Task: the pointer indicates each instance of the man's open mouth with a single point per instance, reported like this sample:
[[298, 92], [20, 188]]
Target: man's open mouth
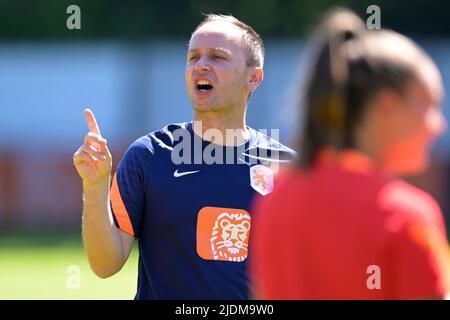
[[204, 86]]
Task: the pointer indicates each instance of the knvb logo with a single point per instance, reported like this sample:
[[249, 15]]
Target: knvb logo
[[261, 178]]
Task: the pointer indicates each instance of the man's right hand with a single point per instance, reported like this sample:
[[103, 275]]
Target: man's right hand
[[107, 247], [93, 160]]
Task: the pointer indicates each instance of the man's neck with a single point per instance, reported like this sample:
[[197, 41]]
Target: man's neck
[[231, 127]]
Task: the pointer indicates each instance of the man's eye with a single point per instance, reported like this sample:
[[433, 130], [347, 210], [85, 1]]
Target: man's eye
[[192, 58], [218, 57]]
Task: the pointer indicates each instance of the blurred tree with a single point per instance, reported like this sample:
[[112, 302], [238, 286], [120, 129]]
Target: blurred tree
[[137, 19]]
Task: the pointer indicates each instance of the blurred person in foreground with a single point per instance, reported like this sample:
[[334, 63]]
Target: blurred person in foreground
[[190, 217], [342, 225]]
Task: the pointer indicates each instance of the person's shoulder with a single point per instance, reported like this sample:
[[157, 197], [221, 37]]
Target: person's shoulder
[[263, 141], [289, 176], [287, 183], [406, 203], [164, 137], [167, 135], [400, 194], [283, 203], [141, 145]]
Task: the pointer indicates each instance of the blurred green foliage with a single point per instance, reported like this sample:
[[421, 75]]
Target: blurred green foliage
[[138, 19], [38, 266]]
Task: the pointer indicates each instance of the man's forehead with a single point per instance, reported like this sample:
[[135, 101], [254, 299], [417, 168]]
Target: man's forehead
[[222, 30]]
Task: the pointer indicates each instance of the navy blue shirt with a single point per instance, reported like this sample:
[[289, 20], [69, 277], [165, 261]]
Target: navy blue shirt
[[191, 217]]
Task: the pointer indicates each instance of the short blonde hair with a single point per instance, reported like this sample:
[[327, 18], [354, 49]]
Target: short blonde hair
[[251, 40]]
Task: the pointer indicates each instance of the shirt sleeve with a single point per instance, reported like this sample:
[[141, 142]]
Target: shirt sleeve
[[127, 193], [419, 257]]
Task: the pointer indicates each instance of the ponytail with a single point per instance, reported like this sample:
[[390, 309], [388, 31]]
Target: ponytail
[[326, 93], [351, 66]]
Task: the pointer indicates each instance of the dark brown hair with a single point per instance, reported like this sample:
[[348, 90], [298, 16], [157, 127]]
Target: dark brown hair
[[351, 65]]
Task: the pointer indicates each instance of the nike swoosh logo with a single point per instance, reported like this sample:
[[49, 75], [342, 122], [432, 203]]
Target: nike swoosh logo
[[177, 174]]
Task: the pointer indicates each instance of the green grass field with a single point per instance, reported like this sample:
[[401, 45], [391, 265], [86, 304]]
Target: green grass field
[[39, 267]]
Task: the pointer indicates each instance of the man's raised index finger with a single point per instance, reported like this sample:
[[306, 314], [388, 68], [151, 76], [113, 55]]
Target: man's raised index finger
[[92, 123]]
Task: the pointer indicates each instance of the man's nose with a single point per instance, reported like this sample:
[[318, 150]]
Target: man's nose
[[202, 65], [234, 234]]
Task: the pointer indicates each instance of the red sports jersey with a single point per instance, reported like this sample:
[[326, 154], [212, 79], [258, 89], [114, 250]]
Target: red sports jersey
[[343, 230]]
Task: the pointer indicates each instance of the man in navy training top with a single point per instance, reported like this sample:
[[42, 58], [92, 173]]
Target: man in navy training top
[[184, 192]]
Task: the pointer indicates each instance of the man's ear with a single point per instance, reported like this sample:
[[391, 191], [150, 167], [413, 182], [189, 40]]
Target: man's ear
[[256, 77]]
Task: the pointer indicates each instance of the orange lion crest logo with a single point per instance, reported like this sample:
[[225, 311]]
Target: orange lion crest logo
[[229, 240], [261, 179]]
